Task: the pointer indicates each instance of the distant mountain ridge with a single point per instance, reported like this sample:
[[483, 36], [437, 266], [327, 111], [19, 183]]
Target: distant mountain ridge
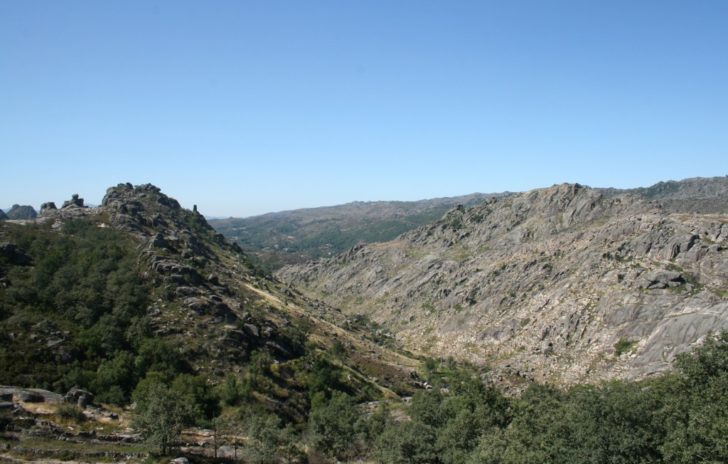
[[302, 235], [693, 195]]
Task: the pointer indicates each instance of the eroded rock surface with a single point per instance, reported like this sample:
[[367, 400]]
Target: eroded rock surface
[[543, 284]]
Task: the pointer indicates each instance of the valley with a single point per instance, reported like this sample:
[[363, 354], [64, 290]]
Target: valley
[[525, 327]]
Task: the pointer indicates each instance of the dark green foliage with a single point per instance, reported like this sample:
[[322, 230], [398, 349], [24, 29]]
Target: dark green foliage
[[324, 377], [407, 443], [233, 391], [198, 402], [157, 355], [333, 425], [73, 305], [681, 418], [697, 406], [115, 378], [159, 414], [201, 402], [268, 439], [457, 418], [70, 412], [623, 346], [75, 315]]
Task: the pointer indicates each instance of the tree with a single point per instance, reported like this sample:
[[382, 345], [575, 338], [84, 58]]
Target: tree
[[159, 414], [268, 440], [696, 411], [407, 443], [333, 425]]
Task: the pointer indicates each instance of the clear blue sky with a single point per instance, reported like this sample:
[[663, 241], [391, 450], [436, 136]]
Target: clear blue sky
[[246, 107]]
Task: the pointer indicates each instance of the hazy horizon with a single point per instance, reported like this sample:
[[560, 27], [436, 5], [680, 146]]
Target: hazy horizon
[[245, 108], [225, 216]]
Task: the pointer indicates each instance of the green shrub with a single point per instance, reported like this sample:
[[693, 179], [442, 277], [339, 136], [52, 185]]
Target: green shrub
[[623, 346], [70, 412]]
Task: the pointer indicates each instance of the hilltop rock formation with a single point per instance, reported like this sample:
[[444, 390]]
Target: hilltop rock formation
[[47, 207], [566, 283], [74, 202], [21, 212]]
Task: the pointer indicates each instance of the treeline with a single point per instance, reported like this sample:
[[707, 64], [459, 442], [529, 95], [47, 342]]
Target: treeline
[[681, 417]]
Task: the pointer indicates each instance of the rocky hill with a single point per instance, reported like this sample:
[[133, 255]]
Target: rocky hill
[[302, 235], [97, 297], [21, 212], [566, 283], [3, 216]]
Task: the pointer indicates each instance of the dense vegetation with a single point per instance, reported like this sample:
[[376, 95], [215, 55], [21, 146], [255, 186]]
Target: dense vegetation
[[678, 418], [74, 313]]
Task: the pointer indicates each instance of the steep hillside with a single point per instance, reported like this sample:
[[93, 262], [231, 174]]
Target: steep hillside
[[566, 283], [140, 288], [302, 235]]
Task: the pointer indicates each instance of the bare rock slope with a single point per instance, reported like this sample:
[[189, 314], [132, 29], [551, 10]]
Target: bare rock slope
[[566, 283]]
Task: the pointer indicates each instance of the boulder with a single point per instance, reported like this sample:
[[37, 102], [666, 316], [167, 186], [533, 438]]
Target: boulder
[[47, 207], [252, 330], [662, 279], [74, 202], [80, 397]]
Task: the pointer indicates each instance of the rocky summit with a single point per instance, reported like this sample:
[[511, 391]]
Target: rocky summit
[[565, 284], [21, 212]]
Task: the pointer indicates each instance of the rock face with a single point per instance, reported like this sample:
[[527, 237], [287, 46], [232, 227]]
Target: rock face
[[543, 284], [21, 212], [3, 216]]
